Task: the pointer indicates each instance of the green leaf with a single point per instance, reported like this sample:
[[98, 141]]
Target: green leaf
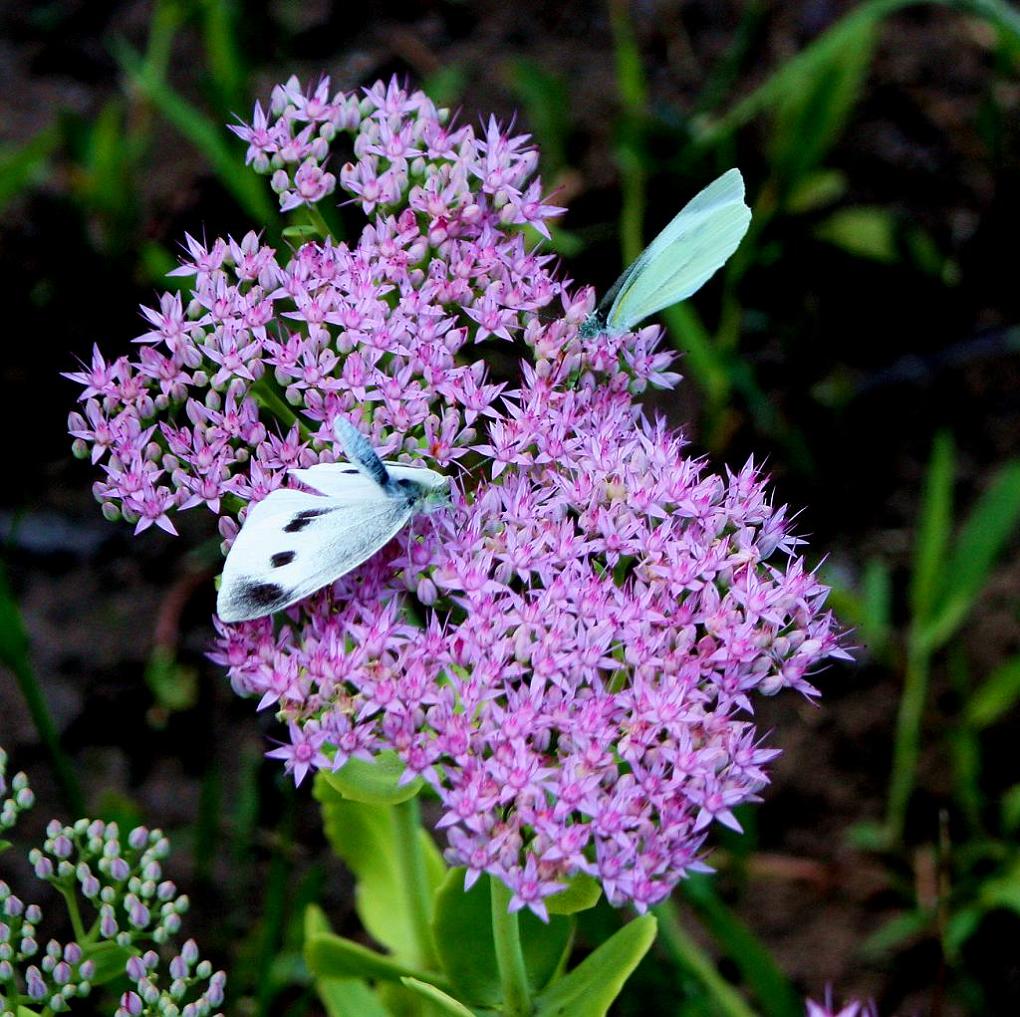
[[1002, 891], [365, 837], [589, 990], [109, 959], [446, 85], [868, 836], [582, 892], [805, 66], [701, 356], [988, 529], [463, 917], [546, 101], [330, 956], [630, 72], [815, 191], [961, 926], [349, 997], [924, 252], [342, 997], [810, 118], [896, 932], [875, 605], [174, 686], [864, 232], [315, 921], [26, 165], [446, 1004], [301, 231], [155, 262], [997, 695], [223, 56], [934, 526], [374, 783], [758, 968], [1010, 809]]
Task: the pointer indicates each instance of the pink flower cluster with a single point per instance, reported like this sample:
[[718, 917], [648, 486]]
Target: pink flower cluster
[[567, 655]]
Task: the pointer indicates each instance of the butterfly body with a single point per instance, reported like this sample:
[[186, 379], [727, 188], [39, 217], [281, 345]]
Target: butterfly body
[[679, 261], [294, 542]]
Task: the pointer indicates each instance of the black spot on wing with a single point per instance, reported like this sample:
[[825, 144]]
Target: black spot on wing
[[303, 518], [261, 595], [281, 558], [350, 472]]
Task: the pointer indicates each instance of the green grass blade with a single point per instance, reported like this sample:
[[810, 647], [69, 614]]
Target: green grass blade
[[702, 359], [15, 655], [630, 73], [810, 119], [934, 526], [210, 138], [771, 988], [630, 149], [788, 78], [276, 898], [726, 72], [907, 743], [223, 55], [692, 959], [876, 606], [26, 165], [965, 744], [996, 696], [988, 529], [546, 101]]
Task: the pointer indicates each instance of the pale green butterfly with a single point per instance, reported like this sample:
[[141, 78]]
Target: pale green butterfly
[[679, 261]]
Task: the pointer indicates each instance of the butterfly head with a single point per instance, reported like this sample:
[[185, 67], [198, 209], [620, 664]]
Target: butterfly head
[[425, 493], [592, 326]]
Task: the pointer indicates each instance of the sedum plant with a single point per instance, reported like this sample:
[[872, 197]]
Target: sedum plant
[[567, 658], [123, 915]]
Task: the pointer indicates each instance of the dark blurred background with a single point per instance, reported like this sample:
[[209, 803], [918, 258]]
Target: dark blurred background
[[865, 342]]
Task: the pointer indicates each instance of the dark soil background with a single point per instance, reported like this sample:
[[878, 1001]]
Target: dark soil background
[[915, 353]]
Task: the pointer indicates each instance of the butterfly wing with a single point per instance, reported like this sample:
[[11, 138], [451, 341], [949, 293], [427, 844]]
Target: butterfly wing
[[685, 255], [342, 480], [293, 543]]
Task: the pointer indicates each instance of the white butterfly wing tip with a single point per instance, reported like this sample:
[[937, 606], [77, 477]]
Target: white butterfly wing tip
[[227, 611]]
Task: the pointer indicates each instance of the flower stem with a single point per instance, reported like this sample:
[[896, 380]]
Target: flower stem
[[267, 396], [316, 219], [73, 912], [506, 933], [908, 738], [411, 860], [630, 152]]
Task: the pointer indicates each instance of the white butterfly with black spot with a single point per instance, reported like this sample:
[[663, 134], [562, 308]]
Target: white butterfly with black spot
[[293, 543]]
